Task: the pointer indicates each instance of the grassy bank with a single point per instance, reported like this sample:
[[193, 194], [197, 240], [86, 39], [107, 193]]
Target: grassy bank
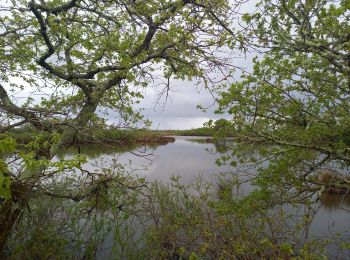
[[95, 135], [117, 136], [114, 135]]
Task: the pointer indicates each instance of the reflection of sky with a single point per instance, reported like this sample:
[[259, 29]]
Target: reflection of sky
[[190, 159], [183, 158]]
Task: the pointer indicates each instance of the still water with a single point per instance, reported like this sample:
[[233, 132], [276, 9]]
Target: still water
[[185, 157], [190, 158]]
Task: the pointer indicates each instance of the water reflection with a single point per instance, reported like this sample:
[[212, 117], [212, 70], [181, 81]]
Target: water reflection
[[187, 157], [93, 151], [190, 157], [335, 201]]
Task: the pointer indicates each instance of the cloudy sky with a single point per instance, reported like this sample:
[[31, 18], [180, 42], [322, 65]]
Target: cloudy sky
[[180, 111]]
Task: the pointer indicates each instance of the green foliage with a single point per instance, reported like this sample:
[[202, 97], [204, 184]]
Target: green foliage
[[295, 102], [83, 56], [290, 116], [7, 146], [194, 221], [197, 220], [220, 124], [74, 221], [5, 183], [202, 131]]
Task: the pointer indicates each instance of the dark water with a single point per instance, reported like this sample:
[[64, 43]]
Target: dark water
[[188, 159]]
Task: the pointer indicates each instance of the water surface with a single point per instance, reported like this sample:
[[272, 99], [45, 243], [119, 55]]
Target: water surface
[[189, 158]]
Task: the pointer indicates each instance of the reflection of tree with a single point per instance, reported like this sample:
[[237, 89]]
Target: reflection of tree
[[221, 148], [93, 151], [335, 201], [221, 145]]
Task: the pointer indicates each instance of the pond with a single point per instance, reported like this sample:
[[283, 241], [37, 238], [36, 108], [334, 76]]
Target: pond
[[185, 157], [190, 158]]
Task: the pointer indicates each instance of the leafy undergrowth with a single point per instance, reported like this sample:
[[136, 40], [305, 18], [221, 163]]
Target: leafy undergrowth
[[129, 219]]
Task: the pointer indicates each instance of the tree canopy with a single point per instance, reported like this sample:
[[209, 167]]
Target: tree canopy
[[63, 63], [79, 56], [296, 99]]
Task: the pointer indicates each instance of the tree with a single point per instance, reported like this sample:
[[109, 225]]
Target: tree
[[296, 101], [220, 124], [81, 56]]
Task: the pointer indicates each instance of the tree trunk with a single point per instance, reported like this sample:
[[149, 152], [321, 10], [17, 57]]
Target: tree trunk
[[21, 190]]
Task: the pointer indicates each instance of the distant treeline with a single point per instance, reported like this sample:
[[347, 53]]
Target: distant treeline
[[202, 131]]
